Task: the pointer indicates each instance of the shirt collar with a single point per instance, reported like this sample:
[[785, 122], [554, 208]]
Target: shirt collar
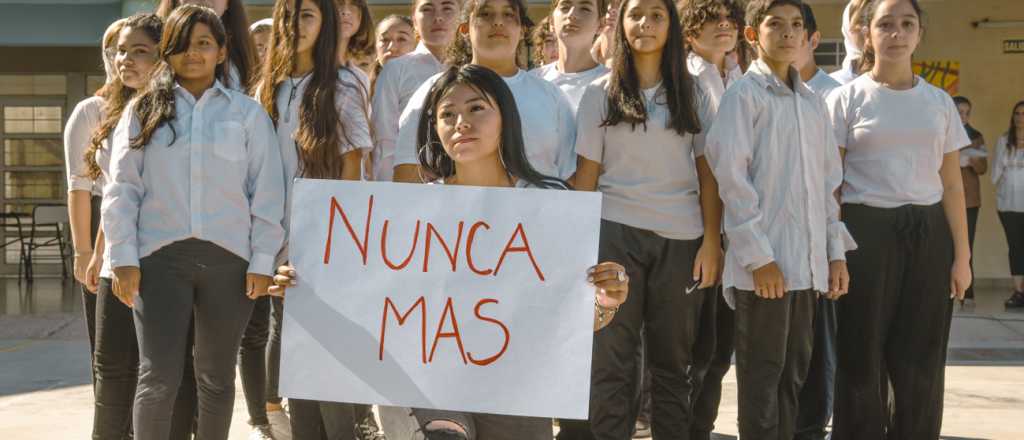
[[217, 87], [763, 76]]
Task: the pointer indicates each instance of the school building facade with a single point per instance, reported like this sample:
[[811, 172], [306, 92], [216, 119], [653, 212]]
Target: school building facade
[[50, 60]]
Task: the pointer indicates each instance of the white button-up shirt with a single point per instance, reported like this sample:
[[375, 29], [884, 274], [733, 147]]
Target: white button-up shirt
[[710, 78], [822, 84], [220, 180], [1008, 176], [549, 124], [778, 167], [84, 119], [397, 82]]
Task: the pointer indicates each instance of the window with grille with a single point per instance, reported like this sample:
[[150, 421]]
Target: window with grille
[[829, 54]]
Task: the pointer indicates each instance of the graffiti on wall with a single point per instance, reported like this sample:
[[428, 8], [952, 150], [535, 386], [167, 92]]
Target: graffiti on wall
[[942, 74]]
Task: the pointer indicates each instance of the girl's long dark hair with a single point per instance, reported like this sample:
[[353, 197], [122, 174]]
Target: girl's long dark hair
[[155, 105], [512, 151], [1011, 134], [116, 95], [321, 129], [241, 50], [625, 101]]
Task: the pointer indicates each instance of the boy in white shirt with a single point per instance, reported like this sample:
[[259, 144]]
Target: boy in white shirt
[[778, 167]]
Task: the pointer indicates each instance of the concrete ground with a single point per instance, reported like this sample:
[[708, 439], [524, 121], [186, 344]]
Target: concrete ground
[[45, 391]]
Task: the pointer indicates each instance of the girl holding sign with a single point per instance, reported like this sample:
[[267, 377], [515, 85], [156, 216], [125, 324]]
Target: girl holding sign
[[639, 142], [472, 136], [490, 35], [435, 23], [191, 161], [319, 110]]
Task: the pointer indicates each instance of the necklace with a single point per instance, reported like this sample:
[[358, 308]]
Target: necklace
[[291, 95]]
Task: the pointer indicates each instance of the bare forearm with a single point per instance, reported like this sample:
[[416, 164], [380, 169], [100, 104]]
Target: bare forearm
[[80, 213]]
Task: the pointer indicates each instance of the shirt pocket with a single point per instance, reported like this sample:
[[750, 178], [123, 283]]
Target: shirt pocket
[[229, 141]]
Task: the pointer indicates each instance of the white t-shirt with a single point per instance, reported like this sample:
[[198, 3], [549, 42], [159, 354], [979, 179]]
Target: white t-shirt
[[648, 176], [895, 141], [397, 82], [549, 126], [572, 84]]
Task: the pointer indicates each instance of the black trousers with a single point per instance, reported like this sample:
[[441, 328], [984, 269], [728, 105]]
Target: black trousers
[[894, 324], [1013, 226], [659, 271], [818, 392], [313, 420], [715, 346], [259, 358], [189, 284], [774, 340], [972, 227]]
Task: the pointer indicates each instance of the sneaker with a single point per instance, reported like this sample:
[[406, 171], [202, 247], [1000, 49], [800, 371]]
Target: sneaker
[[368, 429], [643, 429], [1016, 301], [280, 425], [261, 432]]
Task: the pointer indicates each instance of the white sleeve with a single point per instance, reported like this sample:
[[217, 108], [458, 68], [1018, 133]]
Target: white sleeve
[[406, 150], [83, 121], [123, 196]]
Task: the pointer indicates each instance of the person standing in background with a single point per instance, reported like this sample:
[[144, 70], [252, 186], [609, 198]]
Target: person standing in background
[[1008, 176], [973, 163]]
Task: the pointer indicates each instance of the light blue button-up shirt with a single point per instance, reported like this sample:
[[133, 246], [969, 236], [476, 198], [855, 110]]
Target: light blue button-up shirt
[[217, 177]]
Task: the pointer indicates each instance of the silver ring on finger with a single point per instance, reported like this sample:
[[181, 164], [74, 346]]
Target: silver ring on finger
[[622, 275]]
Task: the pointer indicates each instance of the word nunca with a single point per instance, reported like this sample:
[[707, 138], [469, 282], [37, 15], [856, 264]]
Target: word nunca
[[517, 243]]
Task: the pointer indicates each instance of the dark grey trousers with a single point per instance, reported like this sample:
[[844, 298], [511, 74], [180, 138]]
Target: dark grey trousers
[[774, 339], [186, 280]]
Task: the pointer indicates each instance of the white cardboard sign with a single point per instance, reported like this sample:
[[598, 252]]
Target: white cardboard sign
[[445, 297]]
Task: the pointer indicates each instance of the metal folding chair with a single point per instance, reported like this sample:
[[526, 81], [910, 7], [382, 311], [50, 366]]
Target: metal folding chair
[[43, 218]]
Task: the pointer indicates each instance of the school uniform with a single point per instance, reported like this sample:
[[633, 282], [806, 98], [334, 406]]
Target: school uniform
[[1008, 177], [651, 223], [818, 392], [398, 81], [778, 167], [548, 123], [174, 209], [311, 419], [572, 84], [711, 79], [715, 340], [894, 323]]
